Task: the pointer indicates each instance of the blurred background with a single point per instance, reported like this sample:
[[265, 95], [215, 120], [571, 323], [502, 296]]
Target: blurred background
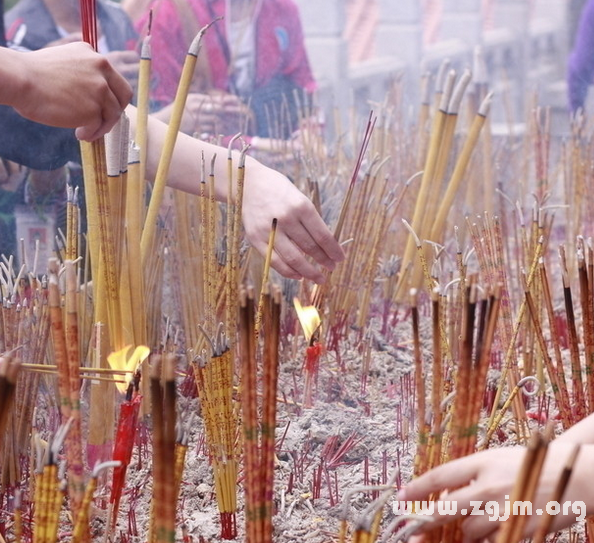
[[359, 48]]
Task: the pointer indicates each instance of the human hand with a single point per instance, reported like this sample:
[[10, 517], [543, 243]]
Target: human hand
[[69, 86], [300, 232], [488, 478]]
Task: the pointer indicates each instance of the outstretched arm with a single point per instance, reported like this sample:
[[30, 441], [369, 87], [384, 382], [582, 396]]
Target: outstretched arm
[[487, 478], [69, 86], [268, 194]]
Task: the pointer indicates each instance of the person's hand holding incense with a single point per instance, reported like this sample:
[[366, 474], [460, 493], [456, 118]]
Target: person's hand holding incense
[[481, 486], [301, 232], [69, 86]]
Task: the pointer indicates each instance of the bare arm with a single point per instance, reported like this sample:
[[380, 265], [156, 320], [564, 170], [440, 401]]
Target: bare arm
[[488, 478], [267, 194], [69, 86]]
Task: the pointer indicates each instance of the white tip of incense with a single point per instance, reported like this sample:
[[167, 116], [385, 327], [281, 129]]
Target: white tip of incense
[[243, 155], [458, 92], [413, 177], [194, 48], [529, 379], [133, 153], [103, 466], [485, 106], [413, 233], [145, 51], [447, 90], [231, 143], [113, 149], [441, 75], [479, 67]]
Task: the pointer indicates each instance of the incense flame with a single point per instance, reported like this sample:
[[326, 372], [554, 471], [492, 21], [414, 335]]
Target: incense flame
[[308, 317], [119, 360]]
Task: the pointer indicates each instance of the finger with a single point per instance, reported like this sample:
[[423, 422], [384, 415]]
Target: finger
[[323, 238], [89, 132], [451, 475], [301, 237], [120, 88], [291, 262], [110, 115]]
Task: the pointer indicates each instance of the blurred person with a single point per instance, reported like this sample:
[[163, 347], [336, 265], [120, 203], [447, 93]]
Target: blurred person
[[489, 477], [253, 58], [135, 8], [90, 95], [34, 24], [580, 66]]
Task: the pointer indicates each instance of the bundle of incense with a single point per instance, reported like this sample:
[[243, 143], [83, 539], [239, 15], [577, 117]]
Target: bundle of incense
[[438, 228], [214, 380], [181, 449], [445, 148], [163, 505], [579, 399], [72, 223], [9, 371], [525, 487], [272, 316], [368, 524], [558, 384], [320, 291], [509, 371], [422, 426], [187, 253], [133, 295], [65, 340], [428, 176], [49, 489], [124, 443], [559, 381], [81, 524], [583, 253], [557, 495], [259, 436], [24, 331]]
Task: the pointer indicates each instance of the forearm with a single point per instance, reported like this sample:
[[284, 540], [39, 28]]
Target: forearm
[[14, 82], [186, 164], [582, 432]]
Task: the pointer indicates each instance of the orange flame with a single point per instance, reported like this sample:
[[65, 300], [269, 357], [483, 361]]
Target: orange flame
[[119, 360], [308, 317]]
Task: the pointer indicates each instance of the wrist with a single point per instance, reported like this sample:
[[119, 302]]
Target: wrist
[[15, 83]]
